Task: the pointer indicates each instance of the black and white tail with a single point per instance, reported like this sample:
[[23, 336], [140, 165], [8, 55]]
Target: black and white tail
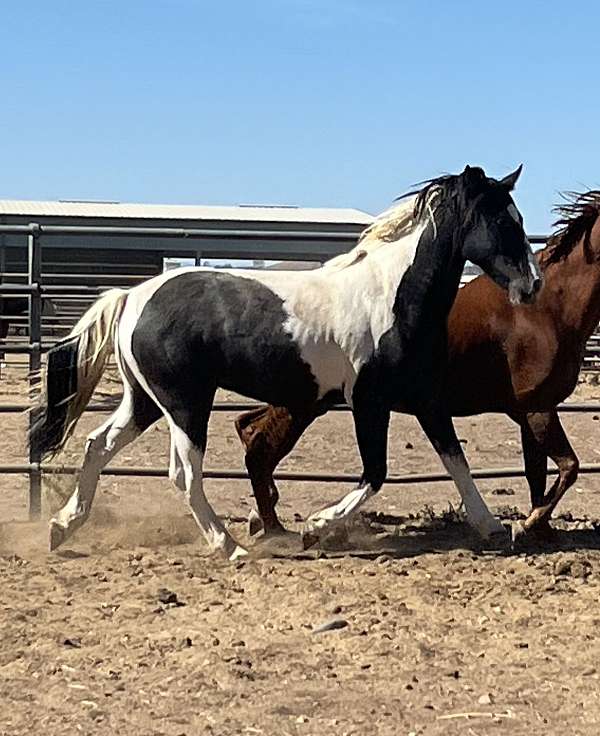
[[74, 368]]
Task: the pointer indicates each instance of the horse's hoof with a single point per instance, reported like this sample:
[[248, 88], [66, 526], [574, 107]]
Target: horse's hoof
[[276, 531], [57, 535], [540, 532], [255, 524], [496, 529], [238, 553], [518, 534], [544, 531], [309, 539], [337, 539], [499, 540]]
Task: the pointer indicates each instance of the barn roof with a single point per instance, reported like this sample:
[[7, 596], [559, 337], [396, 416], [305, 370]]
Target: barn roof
[[240, 213]]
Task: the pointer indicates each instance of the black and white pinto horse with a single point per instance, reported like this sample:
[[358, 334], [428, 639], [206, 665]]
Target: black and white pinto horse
[[370, 328]]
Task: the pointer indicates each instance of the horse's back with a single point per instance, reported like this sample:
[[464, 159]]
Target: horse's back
[[211, 327]]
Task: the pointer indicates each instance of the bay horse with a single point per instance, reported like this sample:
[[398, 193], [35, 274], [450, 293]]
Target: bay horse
[[371, 329], [521, 360]]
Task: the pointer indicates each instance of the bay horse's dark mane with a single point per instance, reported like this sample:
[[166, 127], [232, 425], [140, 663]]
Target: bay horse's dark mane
[[577, 217]]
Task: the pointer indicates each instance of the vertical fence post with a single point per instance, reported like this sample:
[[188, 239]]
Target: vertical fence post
[[35, 361]]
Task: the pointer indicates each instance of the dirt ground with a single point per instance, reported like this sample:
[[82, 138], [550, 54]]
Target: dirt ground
[[132, 628]]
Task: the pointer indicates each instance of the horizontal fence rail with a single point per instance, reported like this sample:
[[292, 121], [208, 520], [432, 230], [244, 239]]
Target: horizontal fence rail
[[70, 298], [232, 474], [177, 232]]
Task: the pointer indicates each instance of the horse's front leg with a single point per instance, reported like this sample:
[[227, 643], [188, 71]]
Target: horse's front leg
[[371, 422], [544, 436], [439, 428]]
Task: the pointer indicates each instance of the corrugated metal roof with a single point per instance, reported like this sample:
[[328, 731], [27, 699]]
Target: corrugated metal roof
[[30, 208]]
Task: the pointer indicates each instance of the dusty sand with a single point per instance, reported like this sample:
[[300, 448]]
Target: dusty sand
[[440, 636]]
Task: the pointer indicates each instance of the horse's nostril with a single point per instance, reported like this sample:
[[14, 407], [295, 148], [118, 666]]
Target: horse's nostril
[[537, 285]]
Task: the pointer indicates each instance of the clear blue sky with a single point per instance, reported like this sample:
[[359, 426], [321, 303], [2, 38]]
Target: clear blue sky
[[307, 102]]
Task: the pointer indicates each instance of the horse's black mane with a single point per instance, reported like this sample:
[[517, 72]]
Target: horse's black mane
[[465, 190], [577, 217]]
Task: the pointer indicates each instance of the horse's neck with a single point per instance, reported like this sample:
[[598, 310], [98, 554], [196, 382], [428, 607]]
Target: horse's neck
[[429, 288], [376, 276], [405, 289], [572, 289]]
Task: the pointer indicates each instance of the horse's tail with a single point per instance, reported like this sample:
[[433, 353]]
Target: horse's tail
[[74, 368]]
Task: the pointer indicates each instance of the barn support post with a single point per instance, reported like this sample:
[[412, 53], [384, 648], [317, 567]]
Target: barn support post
[[34, 272]]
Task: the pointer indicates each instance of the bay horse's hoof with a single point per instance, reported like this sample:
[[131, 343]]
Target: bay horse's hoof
[[535, 533], [255, 524], [544, 531]]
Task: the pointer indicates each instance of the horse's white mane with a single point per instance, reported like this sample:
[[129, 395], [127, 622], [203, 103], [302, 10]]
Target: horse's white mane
[[391, 225]]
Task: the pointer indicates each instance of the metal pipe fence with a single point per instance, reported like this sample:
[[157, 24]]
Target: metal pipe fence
[[35, 291], [232, 474]]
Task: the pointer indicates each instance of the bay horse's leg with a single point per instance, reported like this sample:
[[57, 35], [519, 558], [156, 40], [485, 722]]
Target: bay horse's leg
[[253, 430], [189, 429], [371, 421], [440, 431], [549, 435], [134, 415], [535, 460], [268, 433]]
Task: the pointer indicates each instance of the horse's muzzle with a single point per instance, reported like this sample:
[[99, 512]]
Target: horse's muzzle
[[525, 291]]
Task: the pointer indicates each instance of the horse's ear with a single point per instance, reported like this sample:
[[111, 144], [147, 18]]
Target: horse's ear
[[474, 175], [510, 180]]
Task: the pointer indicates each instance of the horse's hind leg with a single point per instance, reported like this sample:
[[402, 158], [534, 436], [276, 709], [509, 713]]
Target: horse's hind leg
[[268, 434], [188, 444], [546, 431], [250, 428], [134, 415]]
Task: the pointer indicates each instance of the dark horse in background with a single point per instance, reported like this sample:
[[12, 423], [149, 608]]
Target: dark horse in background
[[372, 329], [521, 360]]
